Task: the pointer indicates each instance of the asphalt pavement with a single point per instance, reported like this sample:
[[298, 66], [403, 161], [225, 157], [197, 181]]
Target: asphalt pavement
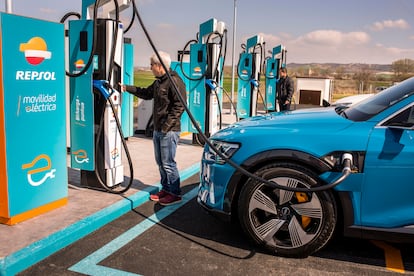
[[30, 241]]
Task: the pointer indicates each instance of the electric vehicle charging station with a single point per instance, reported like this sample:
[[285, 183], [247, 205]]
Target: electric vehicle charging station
[[273, 64], [99, 42], [249, 70], [33, 178], [206, 78]]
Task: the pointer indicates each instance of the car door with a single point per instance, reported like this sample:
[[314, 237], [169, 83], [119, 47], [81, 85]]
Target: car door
[[387, 194]]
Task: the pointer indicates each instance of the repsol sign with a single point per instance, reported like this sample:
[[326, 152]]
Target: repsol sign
[[35, 75]]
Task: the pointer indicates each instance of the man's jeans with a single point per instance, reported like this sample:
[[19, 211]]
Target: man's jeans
[[165, 147]]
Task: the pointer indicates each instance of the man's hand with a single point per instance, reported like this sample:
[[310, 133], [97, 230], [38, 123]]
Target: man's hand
[[122, 87]]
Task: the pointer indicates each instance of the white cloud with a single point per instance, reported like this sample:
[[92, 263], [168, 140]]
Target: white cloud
[[334, 38], [48, 10], [326, 46], [399, 52], [390, 24], [270, 39], [165, 26]]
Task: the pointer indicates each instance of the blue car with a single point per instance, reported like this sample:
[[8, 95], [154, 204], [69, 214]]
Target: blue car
[[292, 179]]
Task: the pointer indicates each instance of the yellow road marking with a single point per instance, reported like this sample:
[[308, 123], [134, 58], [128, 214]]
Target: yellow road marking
[[393, 259]]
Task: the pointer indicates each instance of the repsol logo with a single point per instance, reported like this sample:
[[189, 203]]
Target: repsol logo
[[35, 75]]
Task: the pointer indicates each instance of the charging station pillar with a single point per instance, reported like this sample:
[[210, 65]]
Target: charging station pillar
[[81, 97], [273, 64], [206, 79], [127, 106], [248, 71], [244, 87], [33, 169], [179, 67], [271, 77]]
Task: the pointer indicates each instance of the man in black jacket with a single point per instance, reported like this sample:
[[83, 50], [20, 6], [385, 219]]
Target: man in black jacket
[[284, 90], [167, 111]]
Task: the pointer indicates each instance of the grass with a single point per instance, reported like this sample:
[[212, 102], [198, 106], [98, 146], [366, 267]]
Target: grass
[[143, 78]]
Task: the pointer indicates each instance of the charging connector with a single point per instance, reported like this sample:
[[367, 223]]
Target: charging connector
[[347, 161], [211, 83], [103, 87]]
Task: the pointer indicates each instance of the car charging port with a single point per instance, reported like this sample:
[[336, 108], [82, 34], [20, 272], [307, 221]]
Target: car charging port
[[347, 162]]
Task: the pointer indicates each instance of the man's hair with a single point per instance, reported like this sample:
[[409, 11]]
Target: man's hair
[[283, 69], [165, 58]]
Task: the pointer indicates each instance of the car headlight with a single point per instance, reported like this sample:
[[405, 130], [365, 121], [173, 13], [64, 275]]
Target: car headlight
[[225, 148]]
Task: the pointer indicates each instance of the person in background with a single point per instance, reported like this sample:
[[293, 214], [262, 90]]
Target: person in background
[[284, 90], [167, 111]]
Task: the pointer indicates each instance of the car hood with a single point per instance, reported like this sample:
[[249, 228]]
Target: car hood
[[301, 117], [319, 130]]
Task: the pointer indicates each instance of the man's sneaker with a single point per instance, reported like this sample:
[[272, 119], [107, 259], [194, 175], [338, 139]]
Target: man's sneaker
[[158, 196], [169, 199]]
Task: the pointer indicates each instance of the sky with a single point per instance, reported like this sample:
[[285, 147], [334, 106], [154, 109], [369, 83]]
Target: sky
[[318, 31]]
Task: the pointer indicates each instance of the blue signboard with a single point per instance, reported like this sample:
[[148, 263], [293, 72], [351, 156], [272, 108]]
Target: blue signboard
[[33, 98]]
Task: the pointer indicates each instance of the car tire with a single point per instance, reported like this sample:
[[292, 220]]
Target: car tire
[[290, 224]]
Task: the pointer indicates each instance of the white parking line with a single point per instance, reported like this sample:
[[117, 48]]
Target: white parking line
[[89, 265], [39, 250]]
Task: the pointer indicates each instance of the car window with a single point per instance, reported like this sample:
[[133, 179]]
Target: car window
[[404, 119], [372, 106]]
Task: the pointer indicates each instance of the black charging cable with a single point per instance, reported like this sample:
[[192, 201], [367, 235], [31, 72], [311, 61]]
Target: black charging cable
[[345, 173]]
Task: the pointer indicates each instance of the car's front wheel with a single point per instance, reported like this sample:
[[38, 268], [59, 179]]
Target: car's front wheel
[[291, 224]]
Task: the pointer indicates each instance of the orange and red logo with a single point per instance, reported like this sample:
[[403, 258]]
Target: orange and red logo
[[35, 50], [79, 64]]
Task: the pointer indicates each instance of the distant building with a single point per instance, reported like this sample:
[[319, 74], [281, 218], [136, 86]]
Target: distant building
[[314, 91]]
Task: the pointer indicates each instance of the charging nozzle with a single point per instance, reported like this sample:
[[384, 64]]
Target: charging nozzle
[[347, 162], [254, 82], [103, 87], [211, 83]]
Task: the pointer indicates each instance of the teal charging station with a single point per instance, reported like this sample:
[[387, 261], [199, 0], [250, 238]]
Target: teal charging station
[[96, 68], [248, 71], [244, 87], [33, 169], [197, 84], [205, 76], [273, 64]]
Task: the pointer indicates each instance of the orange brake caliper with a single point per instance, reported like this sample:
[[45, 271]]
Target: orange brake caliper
[[302, 197]]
